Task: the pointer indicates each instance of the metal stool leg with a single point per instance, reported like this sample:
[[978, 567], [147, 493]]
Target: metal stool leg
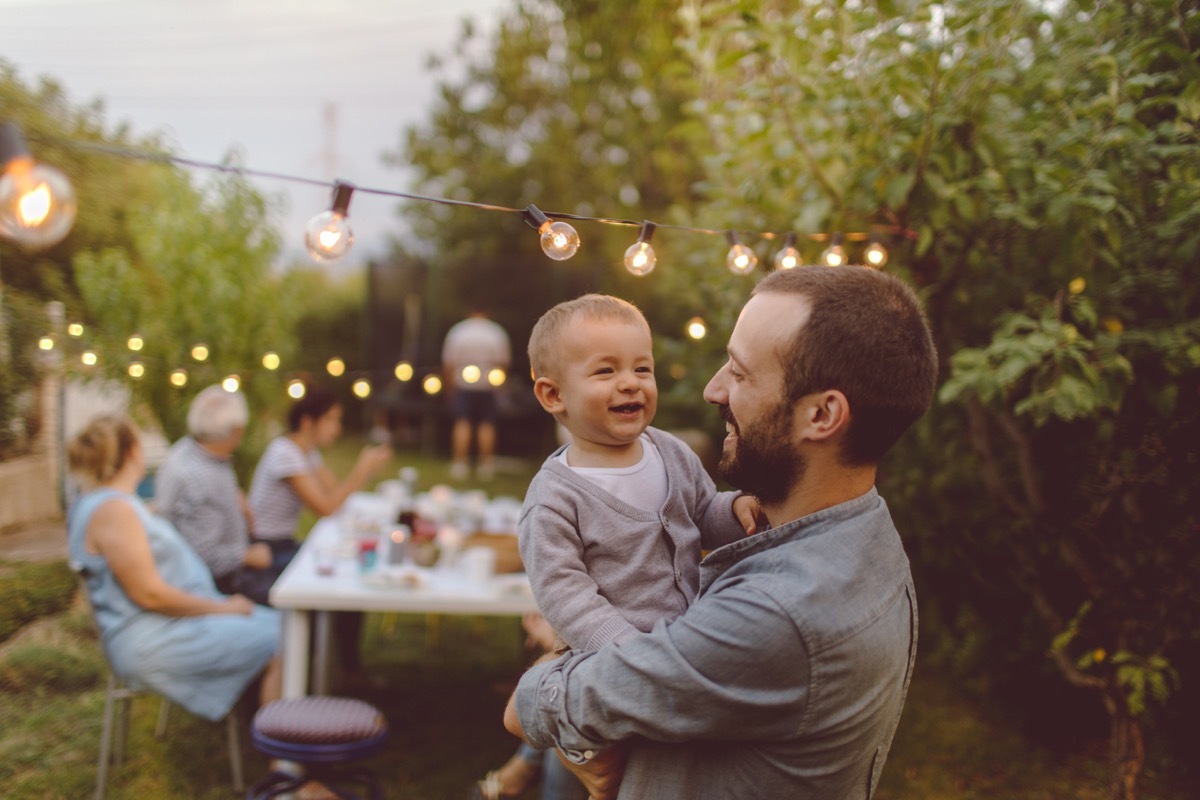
[[233, 739], [106, 734], [160, 730]]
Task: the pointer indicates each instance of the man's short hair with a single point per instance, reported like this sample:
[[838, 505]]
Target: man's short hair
[[546, 337], [216, 413], [868, 337]]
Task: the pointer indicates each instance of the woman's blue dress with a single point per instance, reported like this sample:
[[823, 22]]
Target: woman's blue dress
[[202, 663]]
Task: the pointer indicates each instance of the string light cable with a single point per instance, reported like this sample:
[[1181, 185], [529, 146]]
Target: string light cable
[[558, 237], [328, 236]]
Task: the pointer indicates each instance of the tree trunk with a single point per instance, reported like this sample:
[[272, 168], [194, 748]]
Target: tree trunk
[[1128, 752]]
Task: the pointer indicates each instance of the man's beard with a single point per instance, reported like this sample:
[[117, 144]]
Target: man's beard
[[765, 461]]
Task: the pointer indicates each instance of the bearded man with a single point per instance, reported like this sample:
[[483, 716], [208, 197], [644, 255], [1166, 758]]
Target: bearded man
[[787, 675]]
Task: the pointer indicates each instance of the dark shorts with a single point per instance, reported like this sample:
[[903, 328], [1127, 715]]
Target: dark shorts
[[256, 583], [475, 407]]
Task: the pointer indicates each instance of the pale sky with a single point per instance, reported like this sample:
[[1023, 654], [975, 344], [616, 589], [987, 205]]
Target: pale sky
[[258, 76]]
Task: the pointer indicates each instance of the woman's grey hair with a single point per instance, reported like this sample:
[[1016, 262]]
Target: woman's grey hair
[[217, 413]]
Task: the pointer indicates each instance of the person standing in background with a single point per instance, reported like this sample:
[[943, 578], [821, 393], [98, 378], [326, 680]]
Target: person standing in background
[[473, 348], [197, 490]]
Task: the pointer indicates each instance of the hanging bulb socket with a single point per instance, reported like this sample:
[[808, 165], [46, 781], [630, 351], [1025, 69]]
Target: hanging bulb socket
[[876, 255], [559, 239], [741, 260], [639, 257], [835, 254], [788, 256], [328, 235], [37, 203]]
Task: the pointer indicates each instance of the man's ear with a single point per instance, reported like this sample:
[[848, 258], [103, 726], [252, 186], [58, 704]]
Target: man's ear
[[824, 415], [547, 393]]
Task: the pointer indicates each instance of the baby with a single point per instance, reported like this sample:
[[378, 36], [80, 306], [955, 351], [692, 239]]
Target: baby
[[614, 523]]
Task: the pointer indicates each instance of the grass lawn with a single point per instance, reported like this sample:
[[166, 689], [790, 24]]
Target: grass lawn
[[445, 682]]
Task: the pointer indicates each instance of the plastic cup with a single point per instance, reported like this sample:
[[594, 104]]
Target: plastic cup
[[479, 564], [325, 558]]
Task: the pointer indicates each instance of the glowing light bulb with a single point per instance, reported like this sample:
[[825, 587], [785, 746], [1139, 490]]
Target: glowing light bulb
[[135, 343], [295, 389], [328, 235], [876, 255], [75, 329], [361, 388], [471, 373], [178, 378], [88, 358], [696, 328], [497, 377], [46, 343], [136, 369], [200, 352], [335, 367], [559, 239], [231, 383], [741, 259], [788, 256], [639, 257], [835, 254], [270, 360], [37, 203], [404, 371], [432, 384]]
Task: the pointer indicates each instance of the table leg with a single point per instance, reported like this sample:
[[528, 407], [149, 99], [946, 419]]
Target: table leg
[[295, 653], [323, 634]]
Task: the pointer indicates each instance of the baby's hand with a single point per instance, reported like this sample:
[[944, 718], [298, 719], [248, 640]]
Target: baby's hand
[[748, 512]]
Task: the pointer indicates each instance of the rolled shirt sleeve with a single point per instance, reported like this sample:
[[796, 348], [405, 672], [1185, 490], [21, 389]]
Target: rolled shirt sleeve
[[704, 676]]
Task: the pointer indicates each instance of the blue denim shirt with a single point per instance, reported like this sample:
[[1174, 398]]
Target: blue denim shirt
[[785, 678]]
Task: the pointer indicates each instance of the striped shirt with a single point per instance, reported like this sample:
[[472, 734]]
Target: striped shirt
[[198, 493], [274, 502]]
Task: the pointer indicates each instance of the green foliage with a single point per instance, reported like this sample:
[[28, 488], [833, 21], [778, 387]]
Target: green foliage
[[104, 185], [1044, 366], [577, 107], [32, 590], [196, 268], [1039, 165]]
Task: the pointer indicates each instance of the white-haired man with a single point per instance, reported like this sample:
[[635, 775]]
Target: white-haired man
[[197, 489]]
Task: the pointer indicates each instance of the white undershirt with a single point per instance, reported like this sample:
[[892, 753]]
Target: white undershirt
[[643, 485]]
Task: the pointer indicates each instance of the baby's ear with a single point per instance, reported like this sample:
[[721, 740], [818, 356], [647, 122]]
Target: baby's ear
[[547, 393]]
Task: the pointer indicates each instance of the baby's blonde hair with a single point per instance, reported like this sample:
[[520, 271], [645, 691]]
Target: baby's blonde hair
[[544, 340], [98, 452]]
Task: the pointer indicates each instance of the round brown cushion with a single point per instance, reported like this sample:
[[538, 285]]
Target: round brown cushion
[[319, 719]]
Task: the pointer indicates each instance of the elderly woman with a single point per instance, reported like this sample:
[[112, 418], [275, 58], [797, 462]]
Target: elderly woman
[[163, 624]]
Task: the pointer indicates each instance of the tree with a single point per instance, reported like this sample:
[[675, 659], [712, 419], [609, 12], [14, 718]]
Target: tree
[[106, 187], [576, 106], [196, 269], [1042, 165]]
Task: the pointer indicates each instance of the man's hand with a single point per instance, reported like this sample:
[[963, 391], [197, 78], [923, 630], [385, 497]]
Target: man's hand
[[749, 513], [258, 556], [602, 775]]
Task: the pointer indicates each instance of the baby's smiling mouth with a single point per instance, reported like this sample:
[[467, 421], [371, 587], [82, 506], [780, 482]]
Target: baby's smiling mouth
[[627, 408]]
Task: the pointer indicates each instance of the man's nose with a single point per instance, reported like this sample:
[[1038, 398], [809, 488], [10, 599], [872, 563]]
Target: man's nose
[[715, 392]]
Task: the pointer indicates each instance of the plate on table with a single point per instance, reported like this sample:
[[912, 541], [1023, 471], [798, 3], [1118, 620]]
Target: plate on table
[[517, 584], [402, 576]]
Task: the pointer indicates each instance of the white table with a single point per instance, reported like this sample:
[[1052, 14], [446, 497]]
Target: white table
[[300, 590]]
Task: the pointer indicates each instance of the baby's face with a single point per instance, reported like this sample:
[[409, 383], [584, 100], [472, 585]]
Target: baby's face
[[607, 383]]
